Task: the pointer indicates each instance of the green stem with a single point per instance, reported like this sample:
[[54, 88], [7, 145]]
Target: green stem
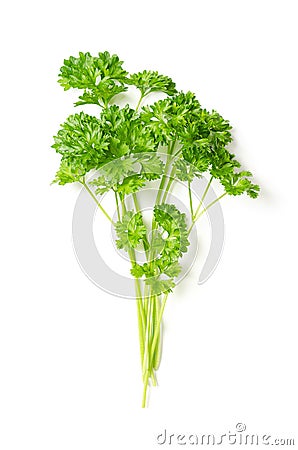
[[146, 299], [144, 313], [177, 152], [151, 332], [204, 210], [211, 204], [141, 325], [203, 197], [157, 353], [140, 101], [96, 201], [139, 297], [123, 206], [148, 370], [158, 324], [190, 201], [117, 205], [145, 240], [146, 361], [164, 177], [153, 377], [144, 400], [171, 147], [200, 204], [135, 199], [170, 181]]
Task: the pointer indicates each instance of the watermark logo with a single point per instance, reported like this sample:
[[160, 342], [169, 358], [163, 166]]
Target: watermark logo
[[238, 437], [90, 257]]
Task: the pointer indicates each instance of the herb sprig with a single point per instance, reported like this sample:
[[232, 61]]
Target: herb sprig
[[168, 140]]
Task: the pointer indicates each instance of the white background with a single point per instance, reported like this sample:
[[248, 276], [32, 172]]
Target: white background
[[70, 376]]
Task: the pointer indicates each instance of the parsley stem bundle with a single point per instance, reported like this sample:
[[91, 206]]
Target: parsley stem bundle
[[126, 150]]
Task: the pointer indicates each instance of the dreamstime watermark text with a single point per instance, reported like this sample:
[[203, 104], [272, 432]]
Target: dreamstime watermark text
[[239, 436]]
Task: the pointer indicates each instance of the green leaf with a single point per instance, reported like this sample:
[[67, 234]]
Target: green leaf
[[102, 77], [152, 166], [117, 170], [238, 183], [79, 72], [102, 185], [185, 171], [159, 286], [174, 223], [150, 81], [157, 243], [168, 118], [164, 251], [223, 164], [131, 184], [68, 174], [86, 70], [172, 270], [102, 94], [130, 230], [137, 270], [81, 142], [126, 130], [113, 174], [253, 190]]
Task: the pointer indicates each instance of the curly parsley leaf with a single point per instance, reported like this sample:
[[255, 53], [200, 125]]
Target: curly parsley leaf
[[168, 118], [68, 174], [159, 286], [102, 77], [174, 223], [114, 173], [81, 142], [151, 81], [184, 171], [101, 94], [130, 230], [137, 270], [238, 183], [128, 133], [128, 174], [130, 185], [166, 250], [86, 71], [152, 166]]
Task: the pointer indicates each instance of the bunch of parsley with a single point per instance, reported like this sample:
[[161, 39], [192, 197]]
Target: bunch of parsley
[[125, 147]]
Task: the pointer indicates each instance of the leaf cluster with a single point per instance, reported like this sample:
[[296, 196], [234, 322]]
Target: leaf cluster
[[169, 242], [82, 143], [130, 230], [128, 174], [86, 142], [204, 138], [101, 77], [124, 146], [151, 81], [121, 149]]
